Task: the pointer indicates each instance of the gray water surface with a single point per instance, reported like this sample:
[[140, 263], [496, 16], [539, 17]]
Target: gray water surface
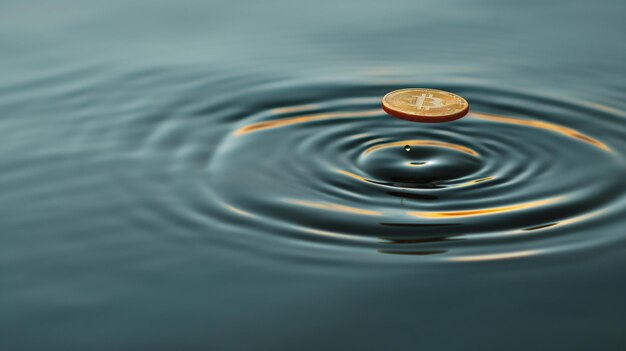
[[198, 175]]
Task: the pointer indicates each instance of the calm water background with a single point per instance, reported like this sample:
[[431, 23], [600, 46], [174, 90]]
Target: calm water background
[[150, 200]]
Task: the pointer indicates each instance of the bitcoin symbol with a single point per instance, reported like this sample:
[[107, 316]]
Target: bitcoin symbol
[[426, 101]]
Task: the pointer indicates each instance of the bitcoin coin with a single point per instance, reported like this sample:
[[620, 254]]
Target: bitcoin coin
[[425, 105]]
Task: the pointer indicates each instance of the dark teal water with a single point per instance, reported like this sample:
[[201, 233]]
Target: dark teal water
[[189, 175]]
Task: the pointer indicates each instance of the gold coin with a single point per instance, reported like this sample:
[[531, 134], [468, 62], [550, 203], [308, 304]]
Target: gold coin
[[425, 105]]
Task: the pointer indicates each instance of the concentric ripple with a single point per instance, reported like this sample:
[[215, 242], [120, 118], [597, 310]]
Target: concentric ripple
[[520, 176]]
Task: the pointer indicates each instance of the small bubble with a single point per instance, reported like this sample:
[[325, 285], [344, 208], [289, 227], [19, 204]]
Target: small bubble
[[407, 147]]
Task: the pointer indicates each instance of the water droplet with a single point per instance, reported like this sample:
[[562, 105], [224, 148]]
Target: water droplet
[[407, 147]]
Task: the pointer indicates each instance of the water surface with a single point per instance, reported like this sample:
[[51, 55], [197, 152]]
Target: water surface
[[192, 175]]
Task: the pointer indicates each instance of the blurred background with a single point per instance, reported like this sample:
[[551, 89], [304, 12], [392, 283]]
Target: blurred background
[[199, 175]]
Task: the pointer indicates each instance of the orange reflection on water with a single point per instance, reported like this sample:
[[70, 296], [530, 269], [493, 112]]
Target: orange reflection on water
[[402, 143], [352, 175], [238, 211], [337, 235], [277, 123], [564, 222], [358, 136], [544, 125], [495, 257], [602, 107], [475, 181], [335, 207], [416, 164], [485, 211]]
